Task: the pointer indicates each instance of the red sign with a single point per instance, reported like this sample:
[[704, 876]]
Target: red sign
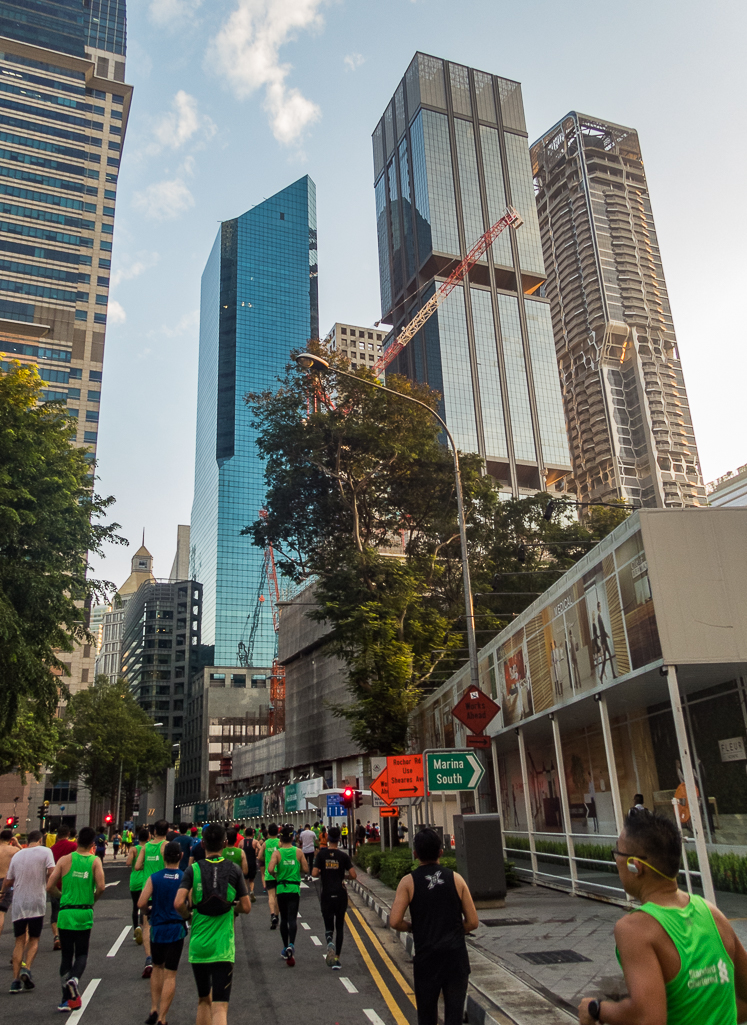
[[475, 710], [405, 774], [388, 813], [477, 740], [380, 786]]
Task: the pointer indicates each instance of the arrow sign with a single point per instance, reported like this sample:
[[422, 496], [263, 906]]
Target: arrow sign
[[475, 710], [450, 771], [380, 786], [477, 740], [405, 774]]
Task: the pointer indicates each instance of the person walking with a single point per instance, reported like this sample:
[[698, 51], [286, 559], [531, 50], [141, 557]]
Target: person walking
[[150, 860], [441, 913], [680, 956], [360, 834], [265, 854], [63, 845], [286, 864], [210, 893], [79, 880], [28, 871], [331, 865], [9, 846], [167, 932]]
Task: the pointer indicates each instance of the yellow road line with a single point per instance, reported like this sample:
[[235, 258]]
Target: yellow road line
[[376, 976], [403, 983]]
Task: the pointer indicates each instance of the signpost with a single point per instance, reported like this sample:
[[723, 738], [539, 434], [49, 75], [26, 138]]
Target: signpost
[[335, 807], [450, 771], [405, 776], [475, 710], [477, 740]]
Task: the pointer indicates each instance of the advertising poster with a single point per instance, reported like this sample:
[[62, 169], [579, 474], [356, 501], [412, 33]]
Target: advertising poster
[[517, 704]]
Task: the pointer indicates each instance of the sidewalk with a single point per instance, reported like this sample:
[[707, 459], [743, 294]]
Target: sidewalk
[[514, 947]]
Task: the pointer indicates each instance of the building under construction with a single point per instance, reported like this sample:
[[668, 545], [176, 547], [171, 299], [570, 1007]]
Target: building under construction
[[626, 407]]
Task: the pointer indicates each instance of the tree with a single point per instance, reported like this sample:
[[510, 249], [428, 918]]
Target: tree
[[49, 521], [103, 728], [30, 745]]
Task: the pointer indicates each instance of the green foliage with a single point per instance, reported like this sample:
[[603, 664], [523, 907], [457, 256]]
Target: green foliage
[[31, 744], [104, 728], [48, 525], [395, 864]]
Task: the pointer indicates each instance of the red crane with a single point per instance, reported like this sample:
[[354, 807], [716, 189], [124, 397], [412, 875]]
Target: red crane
[[276, 715]]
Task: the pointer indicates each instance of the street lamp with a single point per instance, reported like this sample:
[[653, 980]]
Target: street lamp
[[309, 361]]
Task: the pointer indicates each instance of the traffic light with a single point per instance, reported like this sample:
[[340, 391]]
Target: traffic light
[[41, 811], [9, 821], [108, 819], [358, 798], [348, 797]]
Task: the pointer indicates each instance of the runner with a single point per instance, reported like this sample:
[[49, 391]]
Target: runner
[[63, 845], [442, 912], [234, 852], [167, 932], [101, 844], [28, 872], [308, 843], [80, 877], [210, 888], [116, 840], [185, 844], [265, 853], [9, 846], [150, 860], [330, 866], [286, 864], [136, 887], [360, 835], [251, 850]]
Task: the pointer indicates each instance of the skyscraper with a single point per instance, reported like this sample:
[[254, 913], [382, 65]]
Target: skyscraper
[[450, 153], [258, 301], [628, 416], [63, 116]]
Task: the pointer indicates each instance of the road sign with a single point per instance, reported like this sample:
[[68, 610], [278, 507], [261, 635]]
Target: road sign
[[449, 771], [380, 786], [405, 774], [389, 813], [475, 710], [335, 808], [477, 740]]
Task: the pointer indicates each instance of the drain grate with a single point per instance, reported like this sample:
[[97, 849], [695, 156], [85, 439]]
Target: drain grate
[[553, 957], [492, 923]]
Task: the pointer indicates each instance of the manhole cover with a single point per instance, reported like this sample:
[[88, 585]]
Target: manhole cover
[[553, 957], [492, 923]]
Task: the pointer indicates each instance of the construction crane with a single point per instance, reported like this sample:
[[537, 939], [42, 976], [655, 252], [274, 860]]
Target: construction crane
[[510, 219]]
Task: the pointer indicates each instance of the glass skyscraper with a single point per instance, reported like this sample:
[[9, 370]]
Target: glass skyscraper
[[450, 153], [258, 301]]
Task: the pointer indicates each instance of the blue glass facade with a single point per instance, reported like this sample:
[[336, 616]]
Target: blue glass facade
[[450, 153], [67, 25], [258, 301]]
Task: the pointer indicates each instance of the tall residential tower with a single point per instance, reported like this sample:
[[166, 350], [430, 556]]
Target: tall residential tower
[[450, 153], [258, 301], [627, 411]]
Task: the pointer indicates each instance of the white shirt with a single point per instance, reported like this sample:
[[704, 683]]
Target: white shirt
[[28, 872], [307, 839]]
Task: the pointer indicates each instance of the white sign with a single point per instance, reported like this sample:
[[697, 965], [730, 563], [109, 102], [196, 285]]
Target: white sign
[[732, 750], [378, 764]]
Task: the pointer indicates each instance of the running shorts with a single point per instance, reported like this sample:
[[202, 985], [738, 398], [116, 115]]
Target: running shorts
[[167, 954], [34, 926], [214, 977]]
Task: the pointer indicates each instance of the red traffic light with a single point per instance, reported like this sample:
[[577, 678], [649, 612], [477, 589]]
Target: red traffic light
[[348, 796], [9, 821], [108, 819]]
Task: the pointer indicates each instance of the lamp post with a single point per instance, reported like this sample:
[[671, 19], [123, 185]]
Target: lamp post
[[309, 361]]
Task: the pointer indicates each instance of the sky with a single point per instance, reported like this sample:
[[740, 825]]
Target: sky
[[236, 99]]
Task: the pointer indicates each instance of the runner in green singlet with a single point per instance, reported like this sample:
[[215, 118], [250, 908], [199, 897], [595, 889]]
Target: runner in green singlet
[[80, 878], [265, 853], [136, 885], [150, 860], [286, 864], [681, 958], [234, 853]]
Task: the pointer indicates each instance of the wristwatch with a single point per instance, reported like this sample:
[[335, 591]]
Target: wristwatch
[[595, 1009]]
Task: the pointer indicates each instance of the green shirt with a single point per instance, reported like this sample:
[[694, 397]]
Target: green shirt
[[153, 859], [270, 844], [78, 889], [702, 992], [288, 872], [233, 854], [211, 937], [136, 878]]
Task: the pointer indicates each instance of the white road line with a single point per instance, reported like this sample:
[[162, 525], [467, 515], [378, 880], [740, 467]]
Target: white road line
[[305, 925], [372, 1016], [316, 941], [86, 999], [304, 886], [119, 941], [107, 885], [348, 985]]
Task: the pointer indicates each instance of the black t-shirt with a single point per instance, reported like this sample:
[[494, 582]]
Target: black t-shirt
[[185, 842], [332, 864], [198, 852], [436, 914]]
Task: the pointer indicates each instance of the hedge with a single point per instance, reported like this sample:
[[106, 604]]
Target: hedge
[[391, 866]]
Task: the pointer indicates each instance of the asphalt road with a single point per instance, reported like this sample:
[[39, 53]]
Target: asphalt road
[[373, 987]]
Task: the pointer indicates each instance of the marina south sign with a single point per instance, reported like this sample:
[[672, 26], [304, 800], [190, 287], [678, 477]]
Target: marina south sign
[[450, 771]]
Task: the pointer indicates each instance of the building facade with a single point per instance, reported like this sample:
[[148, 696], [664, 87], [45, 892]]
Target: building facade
[[361, 345], [111, 621], [729, 490], [450, 153], [258, 301], [626, 406]]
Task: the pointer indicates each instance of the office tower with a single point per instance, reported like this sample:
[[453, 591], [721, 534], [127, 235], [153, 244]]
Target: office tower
[[180, 565], [628, 416], [450, 153], [258, 301], [362, 345], [111, 630]]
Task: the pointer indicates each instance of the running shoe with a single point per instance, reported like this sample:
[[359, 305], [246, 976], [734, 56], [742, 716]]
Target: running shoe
[[152, 1018], [27, 981], [64, 1007], [274, 921], [284, 953], [331, 954], [290, 959], [138, 935], [16, 986], [336, 966], [72, 989], [57, 945], [148, 969], [253, 899], [75, 1005]]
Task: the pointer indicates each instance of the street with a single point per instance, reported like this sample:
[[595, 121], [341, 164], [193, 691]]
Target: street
[[372, 988]]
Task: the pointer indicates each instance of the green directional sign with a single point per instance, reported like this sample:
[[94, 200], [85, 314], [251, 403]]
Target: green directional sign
[[448, 771]]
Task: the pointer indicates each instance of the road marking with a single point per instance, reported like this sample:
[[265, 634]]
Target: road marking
[[372, 1016], [305, 925], [107, 885], [86, 999], [316, 941], [304, 886], [403, 984], [348, 985], [119, 941], [382, 986]]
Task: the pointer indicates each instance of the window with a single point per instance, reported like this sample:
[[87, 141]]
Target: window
[[90, 436], [76, 373], [282, 217], [370, 335], [93, 375], [94, 396], [344, 330], [259, 681], [238, 680], [99, 318], [92, 415], [81, 315], [73, 393]]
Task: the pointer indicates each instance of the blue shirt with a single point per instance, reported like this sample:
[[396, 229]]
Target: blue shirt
[[166, 924], [185, 842]]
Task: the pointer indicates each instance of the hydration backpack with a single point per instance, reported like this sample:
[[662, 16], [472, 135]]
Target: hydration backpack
[[210, 887]]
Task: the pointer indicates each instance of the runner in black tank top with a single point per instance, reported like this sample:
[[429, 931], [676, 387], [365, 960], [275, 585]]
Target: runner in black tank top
[[442, 912]]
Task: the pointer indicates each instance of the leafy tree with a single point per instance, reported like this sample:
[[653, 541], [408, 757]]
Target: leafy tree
[[30, 745], [103, 728], [49, 521]]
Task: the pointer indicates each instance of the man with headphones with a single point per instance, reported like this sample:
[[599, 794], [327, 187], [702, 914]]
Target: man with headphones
[[682, 960]]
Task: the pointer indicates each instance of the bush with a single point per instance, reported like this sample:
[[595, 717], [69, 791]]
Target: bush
[[394, 865]]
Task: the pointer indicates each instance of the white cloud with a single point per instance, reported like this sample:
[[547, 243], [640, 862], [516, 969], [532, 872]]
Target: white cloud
[[143, 262], [164, 200], [353, 61], [245, 52], [171, 13], [189, 321], [181, 123], [115, 312]]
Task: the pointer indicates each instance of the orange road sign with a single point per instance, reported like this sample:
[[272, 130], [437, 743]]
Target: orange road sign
[[389, 813], [380, 786], [405, 776]]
